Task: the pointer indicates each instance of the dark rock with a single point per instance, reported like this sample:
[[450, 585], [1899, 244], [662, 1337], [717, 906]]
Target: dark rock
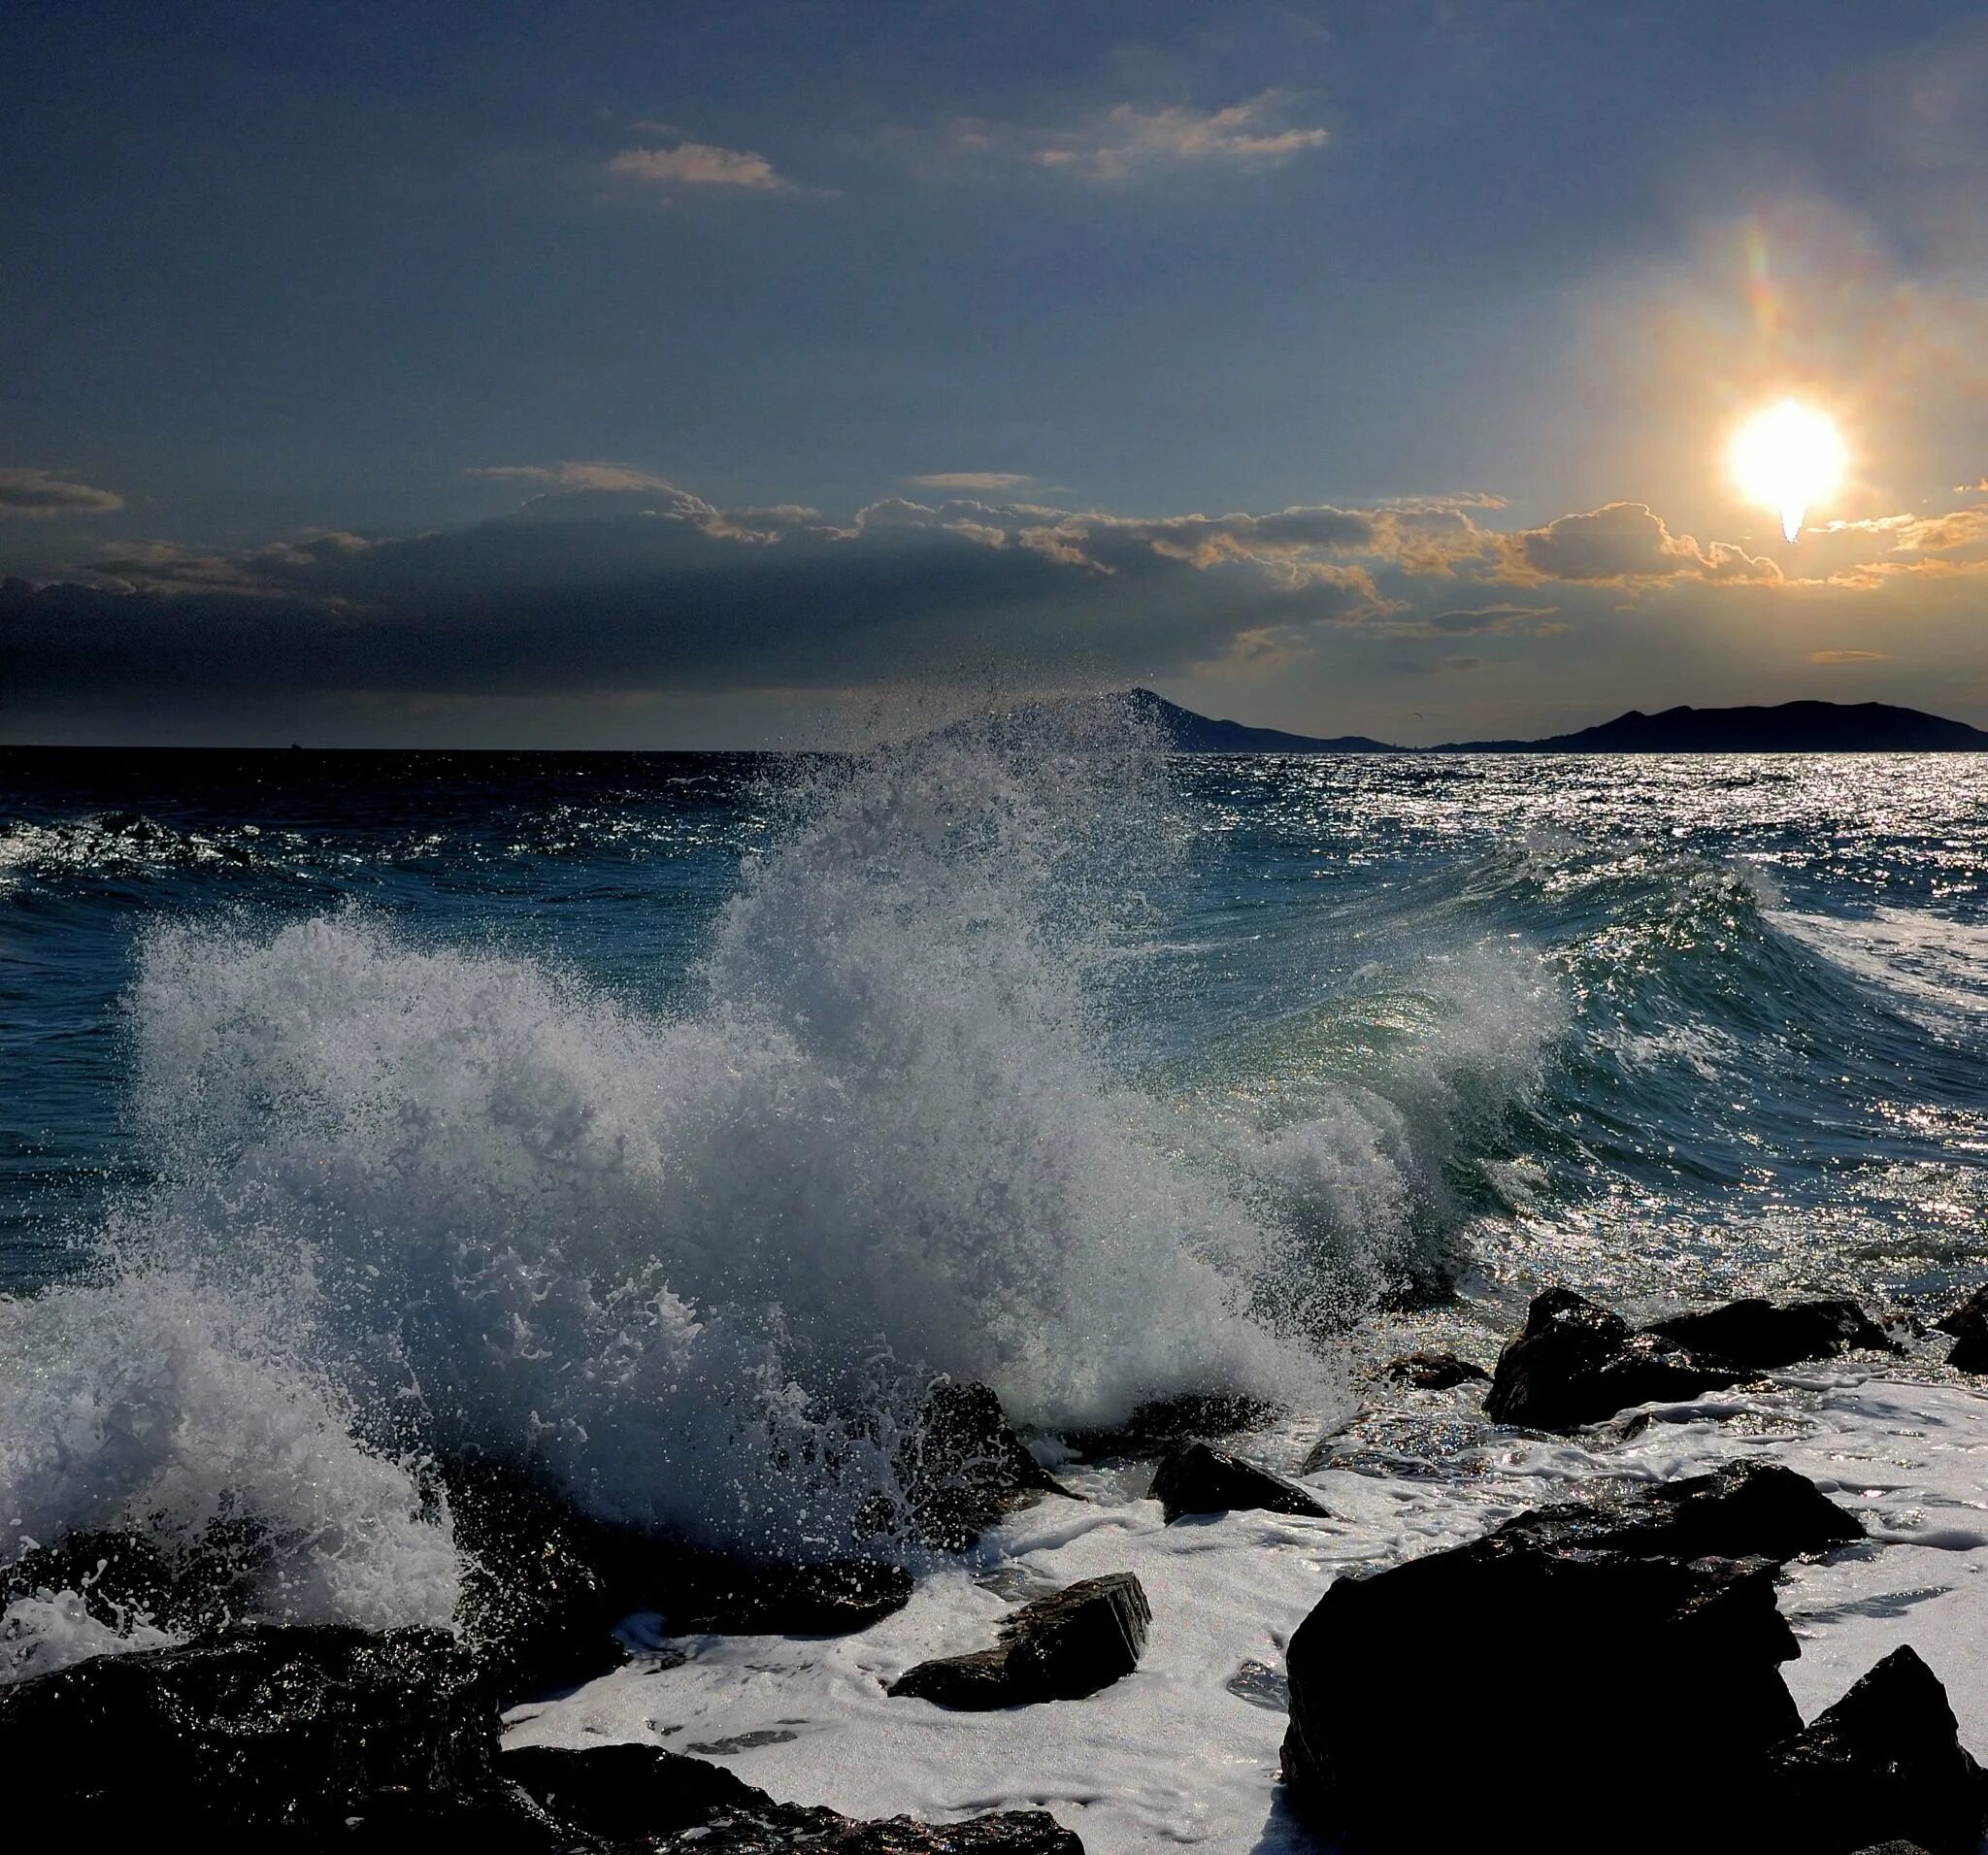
[[536, 1607], [1968, 1325], [1575, 1363], [1057, 1648], [1195, 1478], [963, 1467], [190, 1587], [1758, 1335], [266, 1729], [707, 1593], [1885, 1761], [631, 1796], [1893, 1848], [1599, 1630], [546, 1585], [622, 1793], [1432, 1371], [1160, 1421], [1740, 1510]]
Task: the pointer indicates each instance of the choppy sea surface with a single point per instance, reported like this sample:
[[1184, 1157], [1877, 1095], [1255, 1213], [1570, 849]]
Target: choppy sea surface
[[658, 1119]]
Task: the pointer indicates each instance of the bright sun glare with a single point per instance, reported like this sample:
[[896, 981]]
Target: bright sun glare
[[1787, 458]]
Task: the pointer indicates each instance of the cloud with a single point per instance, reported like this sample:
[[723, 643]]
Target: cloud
[[1848, 656], [1621, 542], [698, 165], [1475, 619], [609, 476], [593, 587], [990, 479], [34, 495], [1134, 141]]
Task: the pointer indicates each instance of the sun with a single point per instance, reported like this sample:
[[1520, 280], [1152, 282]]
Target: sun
[[1788, 459]]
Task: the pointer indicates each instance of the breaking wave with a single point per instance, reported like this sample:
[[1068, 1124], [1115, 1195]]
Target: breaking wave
[[692, 1266]]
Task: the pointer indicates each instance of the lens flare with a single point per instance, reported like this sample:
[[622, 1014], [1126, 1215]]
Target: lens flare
[[1788, 459]]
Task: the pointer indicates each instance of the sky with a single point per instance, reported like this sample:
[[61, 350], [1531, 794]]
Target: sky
[[630, 375]]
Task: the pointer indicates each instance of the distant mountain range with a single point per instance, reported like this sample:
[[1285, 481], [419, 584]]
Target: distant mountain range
[[1791, 727]]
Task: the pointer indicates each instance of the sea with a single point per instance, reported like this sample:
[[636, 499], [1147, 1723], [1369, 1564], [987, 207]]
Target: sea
[[666, 1122]]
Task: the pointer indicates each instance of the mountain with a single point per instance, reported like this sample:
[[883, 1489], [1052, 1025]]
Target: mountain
[[1190, 732], [1792, 727]]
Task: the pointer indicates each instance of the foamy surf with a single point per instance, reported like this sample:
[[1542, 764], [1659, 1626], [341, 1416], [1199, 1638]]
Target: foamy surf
[[695, 1266]]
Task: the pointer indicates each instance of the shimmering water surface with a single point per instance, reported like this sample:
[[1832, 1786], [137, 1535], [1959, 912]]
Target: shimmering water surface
[[1687, 1023]]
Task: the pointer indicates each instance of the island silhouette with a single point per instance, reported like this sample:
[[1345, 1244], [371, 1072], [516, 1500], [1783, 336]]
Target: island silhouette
[[1788, 727]]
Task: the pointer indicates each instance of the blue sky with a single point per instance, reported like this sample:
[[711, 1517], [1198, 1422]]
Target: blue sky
[[674, 375]]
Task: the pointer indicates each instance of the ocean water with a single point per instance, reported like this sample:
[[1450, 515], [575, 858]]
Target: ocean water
[[664, 1122]]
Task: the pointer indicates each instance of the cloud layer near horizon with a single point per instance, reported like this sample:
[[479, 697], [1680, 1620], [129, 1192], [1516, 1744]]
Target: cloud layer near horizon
[[614, 579]]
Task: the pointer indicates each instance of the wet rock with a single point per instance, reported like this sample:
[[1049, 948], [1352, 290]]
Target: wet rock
[[187, 1587], [1968, 1325], [536, 1607], [287, 1732], [545, 1586], [1762, 1337], [1885, 1761], [1196, 1477], [1057, 1648], [1161, 1421], [1432, 1371], [1575, 1363], [631, 1796], [963, 1468], [1591, 1629], [1740, 1510], [706, 1594]]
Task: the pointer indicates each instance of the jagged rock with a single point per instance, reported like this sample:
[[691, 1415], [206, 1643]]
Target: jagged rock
[[1195, 1478], [274, 1731], [1058, 1648], [188, 1588], [536, 1607], [1885, 1761], [546, 1585], [1756, 1334], [1968, 1325], [1575, 1363], [633, 1796], [1432, 1371], [1599, 1628], [1160, 1421], [707, 1593], [1740, 1510], [1893, 1848], [963, 1468]]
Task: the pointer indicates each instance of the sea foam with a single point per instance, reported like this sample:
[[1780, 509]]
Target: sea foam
[[696, 1268]]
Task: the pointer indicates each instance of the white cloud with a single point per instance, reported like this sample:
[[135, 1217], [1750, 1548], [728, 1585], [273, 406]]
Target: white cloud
[[1133, 141], [692, 165], [34, 495]]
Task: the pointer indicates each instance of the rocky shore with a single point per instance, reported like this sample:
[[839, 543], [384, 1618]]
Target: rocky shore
[[1628, 1648]]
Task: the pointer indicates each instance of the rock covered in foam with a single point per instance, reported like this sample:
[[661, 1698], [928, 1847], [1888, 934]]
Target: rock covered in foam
[[1196, 1477], [1157, 1423], [1060, 1647], [309, 1739], [1575, 1362], [1968, 1325], [1602, 1630], [1885, 1761], [963, 1468], [1762, 1335]]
